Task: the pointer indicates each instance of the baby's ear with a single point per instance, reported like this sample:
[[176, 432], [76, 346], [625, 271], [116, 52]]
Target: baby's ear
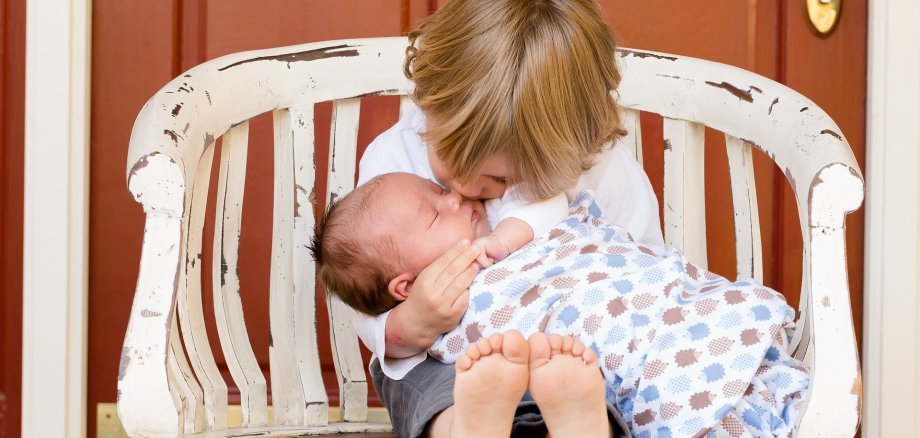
[[399, 286]]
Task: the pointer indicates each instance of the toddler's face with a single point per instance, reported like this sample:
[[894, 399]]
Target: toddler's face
[[489, 182], [427, 220]]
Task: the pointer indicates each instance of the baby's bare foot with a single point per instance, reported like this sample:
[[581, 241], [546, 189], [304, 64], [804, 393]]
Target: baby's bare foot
[[491, 379], [567, 386]]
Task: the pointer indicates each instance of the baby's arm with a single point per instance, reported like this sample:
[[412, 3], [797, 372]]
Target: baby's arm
[[508, 236], [515, 223]]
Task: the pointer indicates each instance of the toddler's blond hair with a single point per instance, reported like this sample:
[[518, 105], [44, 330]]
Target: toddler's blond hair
[[531, 78]]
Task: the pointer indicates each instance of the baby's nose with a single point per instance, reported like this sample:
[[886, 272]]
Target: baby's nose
[[452, 200]]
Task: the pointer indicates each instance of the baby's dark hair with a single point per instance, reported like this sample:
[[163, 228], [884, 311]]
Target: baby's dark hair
[[352, 263]]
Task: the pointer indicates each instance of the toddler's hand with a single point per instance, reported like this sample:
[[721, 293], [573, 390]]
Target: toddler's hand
[[440, 294], [495, 250]]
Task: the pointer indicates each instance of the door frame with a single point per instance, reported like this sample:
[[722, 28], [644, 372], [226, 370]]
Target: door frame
[[55, 217], [891, 337]]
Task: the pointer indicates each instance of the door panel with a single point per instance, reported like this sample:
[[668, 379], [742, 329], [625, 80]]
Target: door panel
[[12, 108], [138, 47]]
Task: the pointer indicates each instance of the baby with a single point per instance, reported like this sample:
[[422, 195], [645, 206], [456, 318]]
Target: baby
[[389, 229], [682, 351]]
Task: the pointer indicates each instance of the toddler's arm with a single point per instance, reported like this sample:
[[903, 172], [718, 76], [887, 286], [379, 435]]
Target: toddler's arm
[[439, 298]]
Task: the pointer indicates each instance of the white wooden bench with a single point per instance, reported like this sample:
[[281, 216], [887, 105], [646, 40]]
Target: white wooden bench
[[166, 388]]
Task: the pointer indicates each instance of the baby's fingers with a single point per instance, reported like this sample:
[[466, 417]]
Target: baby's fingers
[[484, 260]]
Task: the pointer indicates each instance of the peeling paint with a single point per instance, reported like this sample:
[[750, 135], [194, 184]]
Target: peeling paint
[[669, 76], [790, 178], [208, 138], [804, 108], [379, 93], [223, 270], [826, 301], [124, 363], [172, 134], [309, 55], [832, 134], [667, 144], [209, 97], [770, 110], [755, 89], [147, 313], [638, 54], [175, 111], [735, 91], [753, 144]]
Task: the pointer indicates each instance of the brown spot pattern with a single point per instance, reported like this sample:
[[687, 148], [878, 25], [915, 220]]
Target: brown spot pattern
[[616, 307], [706, 306], [654, 369], [734, 297], [700, 400], [597, 276], [644, 417], [750, 337], [670, 410], [531, 295], [501, 316], [720, 346], [674, 315], [686, 357]]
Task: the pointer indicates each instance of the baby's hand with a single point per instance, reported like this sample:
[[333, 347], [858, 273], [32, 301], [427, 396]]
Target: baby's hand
[[495, 250]]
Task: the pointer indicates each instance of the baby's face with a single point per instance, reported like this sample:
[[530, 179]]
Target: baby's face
[[425, 219]]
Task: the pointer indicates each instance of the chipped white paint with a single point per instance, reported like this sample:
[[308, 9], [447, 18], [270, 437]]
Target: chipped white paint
[[345, 350], [186, 391], [190, 311], [173, 131], [297, 393], [803, 141], [633, 138], [684, 193], [748, 246], [228, 307], [299, 126]]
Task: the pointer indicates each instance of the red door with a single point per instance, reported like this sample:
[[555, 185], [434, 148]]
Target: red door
[[139, 46]]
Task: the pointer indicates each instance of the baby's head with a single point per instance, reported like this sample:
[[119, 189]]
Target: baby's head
[[530, 79], [372, 243]]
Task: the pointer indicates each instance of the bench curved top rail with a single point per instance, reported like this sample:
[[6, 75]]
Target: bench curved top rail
[[186, 115], [794, 131], [800, 137]]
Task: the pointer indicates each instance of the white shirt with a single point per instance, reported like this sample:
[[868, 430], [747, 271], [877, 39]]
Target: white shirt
[[621, 189]]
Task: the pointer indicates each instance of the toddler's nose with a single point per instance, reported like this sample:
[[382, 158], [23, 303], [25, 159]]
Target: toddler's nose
[[469, 190]]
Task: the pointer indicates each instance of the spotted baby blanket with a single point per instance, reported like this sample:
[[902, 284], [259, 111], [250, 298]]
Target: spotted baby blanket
[[684, 352]]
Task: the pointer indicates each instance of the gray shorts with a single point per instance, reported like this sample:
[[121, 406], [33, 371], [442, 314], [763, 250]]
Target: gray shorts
[[429, 389]]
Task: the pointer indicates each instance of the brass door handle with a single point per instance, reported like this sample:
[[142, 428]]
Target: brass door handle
[[823, 15]]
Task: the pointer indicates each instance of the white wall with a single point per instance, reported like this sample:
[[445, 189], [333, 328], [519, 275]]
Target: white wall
[[55, 218], [891, 338]]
